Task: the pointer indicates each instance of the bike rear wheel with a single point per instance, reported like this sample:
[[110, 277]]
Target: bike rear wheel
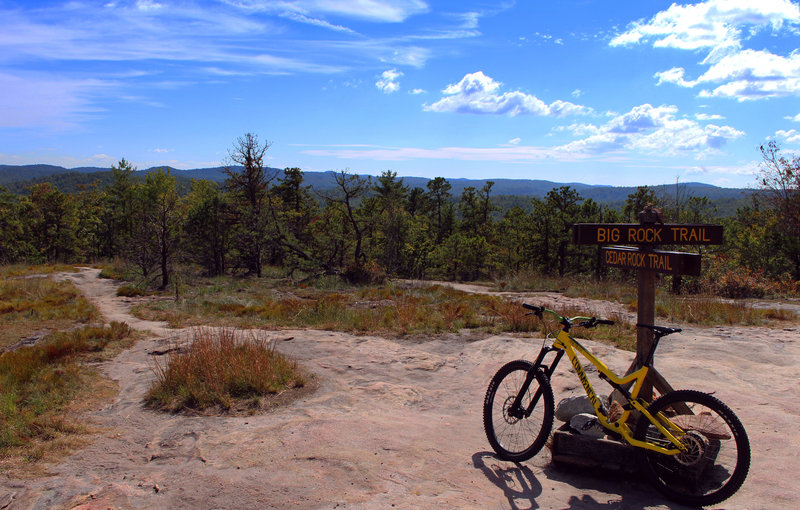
[[513, 435], [718, 457]]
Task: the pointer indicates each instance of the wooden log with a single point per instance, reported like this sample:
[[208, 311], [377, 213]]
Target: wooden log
[[574, 450]]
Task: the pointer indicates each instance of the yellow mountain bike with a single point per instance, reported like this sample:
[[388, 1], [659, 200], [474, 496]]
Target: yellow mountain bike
[[693, 447]]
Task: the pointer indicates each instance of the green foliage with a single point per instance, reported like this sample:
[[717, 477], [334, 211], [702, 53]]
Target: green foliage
[[52, 221], [367, 229], [207, 240], [14, 244], [780, 179], [248, 185], [635, 202], [129, 291]]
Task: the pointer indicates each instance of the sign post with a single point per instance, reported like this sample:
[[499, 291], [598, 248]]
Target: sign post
[[648, 262]]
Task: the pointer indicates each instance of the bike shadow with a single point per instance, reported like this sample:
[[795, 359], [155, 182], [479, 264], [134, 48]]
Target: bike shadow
[[521, 487], [517, 481]]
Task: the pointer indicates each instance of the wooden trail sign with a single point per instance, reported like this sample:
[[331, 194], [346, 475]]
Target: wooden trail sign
[[648, 262], [648, 234], [670, 262]]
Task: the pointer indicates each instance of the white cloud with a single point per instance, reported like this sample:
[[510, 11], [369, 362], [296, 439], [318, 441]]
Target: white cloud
[[796, 118], [478, 93], [580, 129], [386, 11], [376, 10], [302, 18], [745, 75], [715, 25], [643, 130], [674, 75], [32, 100], [654, 130], [751, 168], [706, 116], [388, 81], [720, 27], [577, 93], [417, 92], [792, 136], [41, 156], [147, 5], [753, 75], [381, 153]]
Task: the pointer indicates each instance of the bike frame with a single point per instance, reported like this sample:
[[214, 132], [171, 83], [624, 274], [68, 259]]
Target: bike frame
[[564, 343]]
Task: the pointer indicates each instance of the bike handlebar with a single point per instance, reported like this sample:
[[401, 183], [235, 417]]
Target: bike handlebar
[[594, 321], [537, 310], [586, 322]]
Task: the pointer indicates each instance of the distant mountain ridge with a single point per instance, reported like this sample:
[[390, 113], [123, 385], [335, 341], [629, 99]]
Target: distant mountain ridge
[[17, 177]]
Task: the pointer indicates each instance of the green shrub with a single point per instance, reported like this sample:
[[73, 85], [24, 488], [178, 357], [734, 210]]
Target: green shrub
[[129, 291]]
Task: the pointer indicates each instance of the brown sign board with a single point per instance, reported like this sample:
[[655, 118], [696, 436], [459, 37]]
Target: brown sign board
[[670, 262], [638, 234]]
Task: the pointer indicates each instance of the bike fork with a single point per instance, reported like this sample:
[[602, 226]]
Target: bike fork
[[516, 410]]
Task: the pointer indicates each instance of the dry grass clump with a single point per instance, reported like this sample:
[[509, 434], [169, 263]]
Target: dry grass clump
[[514, 316], [37, 382], [217, 369], [129, 291], [723, 276], [386, 309], [710, 311], [30, 304], [42, 299], [21, 270]]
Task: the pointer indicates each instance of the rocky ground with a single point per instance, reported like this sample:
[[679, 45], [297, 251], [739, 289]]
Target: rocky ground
[[397, 423]]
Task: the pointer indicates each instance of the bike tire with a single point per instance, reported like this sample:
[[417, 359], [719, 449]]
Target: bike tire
[[517, 439], [719, 457]]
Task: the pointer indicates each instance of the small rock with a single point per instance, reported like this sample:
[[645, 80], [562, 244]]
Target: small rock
[[587, 425], [571, 406]]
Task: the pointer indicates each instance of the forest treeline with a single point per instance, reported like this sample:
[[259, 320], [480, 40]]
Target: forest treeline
[[367, 228]]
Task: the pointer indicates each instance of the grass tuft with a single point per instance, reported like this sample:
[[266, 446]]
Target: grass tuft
[[37, 382], [23, 270], [218, 370], [31, 304], [129, 291], [711, 311]]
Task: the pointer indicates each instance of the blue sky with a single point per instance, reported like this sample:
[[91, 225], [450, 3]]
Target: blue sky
[[603, 92]]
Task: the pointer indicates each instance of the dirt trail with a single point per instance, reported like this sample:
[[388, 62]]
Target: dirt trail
[[552, 300], [398, 423]]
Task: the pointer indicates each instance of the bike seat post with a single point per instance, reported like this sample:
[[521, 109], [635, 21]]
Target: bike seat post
[[657, 334]]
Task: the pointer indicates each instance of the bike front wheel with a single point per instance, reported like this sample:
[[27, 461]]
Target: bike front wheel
[[514, 434], [718, 452]]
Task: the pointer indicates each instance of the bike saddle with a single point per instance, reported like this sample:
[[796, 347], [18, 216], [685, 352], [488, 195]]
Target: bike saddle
[[660, 330]]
